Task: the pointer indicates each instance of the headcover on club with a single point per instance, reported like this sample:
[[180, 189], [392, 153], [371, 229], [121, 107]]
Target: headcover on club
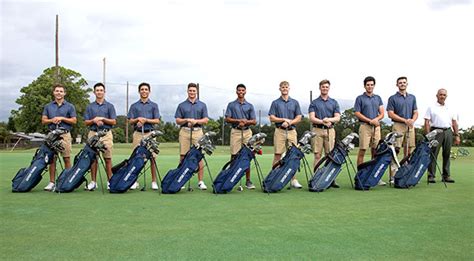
[[94, 141], [256, 141], [304, 142], [150, 142], [347, 141], [53, 139], [205, 142], [391, 137]]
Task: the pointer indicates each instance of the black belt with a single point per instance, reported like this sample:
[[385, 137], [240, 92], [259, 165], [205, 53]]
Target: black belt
[[145, 131], [322, 126], [283, 128], [443, 129], [104, 130], [237, 128], [399, 122]]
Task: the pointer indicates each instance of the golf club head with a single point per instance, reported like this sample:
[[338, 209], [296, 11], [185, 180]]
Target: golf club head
[[57, 146], [102, 133], [205, 142], [152, 146], [307, 136], [433, 143], [210, 134], [432, 135], [392, 136], [256, 141], [306, 148], [347, 141]]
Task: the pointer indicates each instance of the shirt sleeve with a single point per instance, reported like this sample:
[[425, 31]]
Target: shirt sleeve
[[297, 109], [228, 112], [45, 111], [272, 110], [337, 109], [72, 111], [358, 104], [112, 113], [252, 113], [311, 107], [415, 107], [380, 101], [87, 114], [131, 112], [156, 112], [390, 104], [204, 111], [428, 114]]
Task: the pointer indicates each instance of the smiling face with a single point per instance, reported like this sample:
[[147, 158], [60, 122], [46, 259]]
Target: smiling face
[[99, 92], [284, 88], [441, 96], [402, 84], [369, 87], [144, 92], [324, 89], [192, 93], [59, 92], [241, 91]]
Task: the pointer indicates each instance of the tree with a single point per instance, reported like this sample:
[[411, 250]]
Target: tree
[[38, 93]]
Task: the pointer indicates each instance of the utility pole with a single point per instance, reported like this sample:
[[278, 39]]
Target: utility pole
[[197, 90], [103, 72], [57, 49], [310, 100], [223, 123], [259, 120], [126, 117]]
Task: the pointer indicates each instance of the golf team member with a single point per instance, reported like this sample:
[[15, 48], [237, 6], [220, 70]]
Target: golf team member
[[285, 112], [324, 112], [439, 116], [241, 114], [143, 114], [369, 110], [402, 109], [59, 113], [191, 115], [100, 116]]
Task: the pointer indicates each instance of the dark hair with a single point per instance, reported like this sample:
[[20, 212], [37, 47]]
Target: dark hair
[[98, 85], [58, 85], [369, 79], [240, 85], [324, 82], [144, 84], [402, 78], [191, 84]]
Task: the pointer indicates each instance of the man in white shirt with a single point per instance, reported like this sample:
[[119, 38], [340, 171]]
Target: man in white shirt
[[438, 116]]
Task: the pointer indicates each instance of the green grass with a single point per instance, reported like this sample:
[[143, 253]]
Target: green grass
[[426, 222]]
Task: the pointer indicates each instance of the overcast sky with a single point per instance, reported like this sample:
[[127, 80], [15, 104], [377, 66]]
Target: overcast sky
[[259, 43]]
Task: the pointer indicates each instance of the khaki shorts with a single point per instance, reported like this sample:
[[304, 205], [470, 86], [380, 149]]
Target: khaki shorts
[[108, 141], [369, 136], [137, 137], [324, 138], [66, 153], [279, 140], [184, 136], [402, 129], [236, 139]]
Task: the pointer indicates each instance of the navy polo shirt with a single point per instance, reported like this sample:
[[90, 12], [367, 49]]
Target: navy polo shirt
[[106, 110], [147, 110], [285, 109], [237, 110], [66, 109], [403, 106], [324, 108], [188, 109], [368, 105]]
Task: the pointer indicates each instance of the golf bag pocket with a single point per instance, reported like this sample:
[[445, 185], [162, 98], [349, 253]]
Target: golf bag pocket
[[280, 175], [332, 166], [72, 178], [410, 173], [369, 173], [177, 178], [233, 171], [27, 178], [126, 173]]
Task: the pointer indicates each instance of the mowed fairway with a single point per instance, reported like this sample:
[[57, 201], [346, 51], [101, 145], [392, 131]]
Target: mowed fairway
[[426, 222]]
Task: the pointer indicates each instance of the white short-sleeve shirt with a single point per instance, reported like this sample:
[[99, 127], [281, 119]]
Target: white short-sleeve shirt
[[440, 116]]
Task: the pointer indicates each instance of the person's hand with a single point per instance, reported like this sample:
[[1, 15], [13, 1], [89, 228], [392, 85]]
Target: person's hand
[[142, 120], [191, 122], [285, 124], [242, 123], [409, 122], [374, 122], [327, 123], [457, 140], [57, 120]]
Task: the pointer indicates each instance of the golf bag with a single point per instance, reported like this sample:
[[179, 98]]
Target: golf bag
[[331, 165], [284, 170], [27, 178], [175, 179], [414, 166], [369, 173], [126, 173], [72, 178], [234, 170]]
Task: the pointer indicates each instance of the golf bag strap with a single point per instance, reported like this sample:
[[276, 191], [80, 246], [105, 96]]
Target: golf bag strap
[[321, 161], [227, 164]]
